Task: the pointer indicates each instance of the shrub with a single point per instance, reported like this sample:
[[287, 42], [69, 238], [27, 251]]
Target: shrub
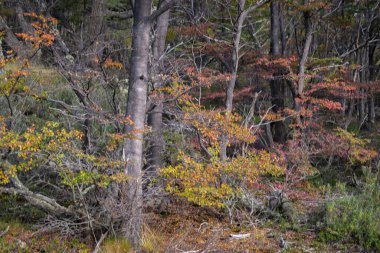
[[355, 217], [215, 182]]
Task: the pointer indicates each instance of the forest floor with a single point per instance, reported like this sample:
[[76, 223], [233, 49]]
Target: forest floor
[[182, 228]]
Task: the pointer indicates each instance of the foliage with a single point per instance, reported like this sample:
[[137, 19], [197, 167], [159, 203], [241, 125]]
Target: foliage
[[356, 148], [43, 29], [213, 183], [53, 146], [355, 217]]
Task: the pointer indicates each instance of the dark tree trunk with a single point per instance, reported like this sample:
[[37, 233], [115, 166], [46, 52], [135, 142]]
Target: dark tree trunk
[[277, 84], [372, 77], [136, 110]]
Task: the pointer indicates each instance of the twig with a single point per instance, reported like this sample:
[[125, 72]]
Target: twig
[[97, 248]]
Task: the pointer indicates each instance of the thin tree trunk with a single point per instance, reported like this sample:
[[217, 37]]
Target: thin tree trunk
[[282, 29], [234, 66], [233, 70], [372, 77], [302, 64]]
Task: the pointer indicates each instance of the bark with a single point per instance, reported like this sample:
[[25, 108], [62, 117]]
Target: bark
[[302, 64], [96, 32], [372, 77], [155, 159], [305, 53], [233, 68], [136, 108], [277, 84], [282, 29]]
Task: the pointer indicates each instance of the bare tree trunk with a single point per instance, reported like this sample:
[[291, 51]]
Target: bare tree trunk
[[277, 84], [233, 68], [282, 29], [302, 64], [136, 108], [155, 114], [95, 32], [372, 77]]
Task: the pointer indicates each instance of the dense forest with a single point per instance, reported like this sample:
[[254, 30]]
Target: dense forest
[[189, 126]]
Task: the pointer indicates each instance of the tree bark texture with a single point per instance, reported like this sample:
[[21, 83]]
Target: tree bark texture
[[155, 159], [136, 109], [277, 85]]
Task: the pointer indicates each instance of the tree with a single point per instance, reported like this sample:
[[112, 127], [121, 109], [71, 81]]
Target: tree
[[242, 13], [136, 109], [155, 111], [277, 85]]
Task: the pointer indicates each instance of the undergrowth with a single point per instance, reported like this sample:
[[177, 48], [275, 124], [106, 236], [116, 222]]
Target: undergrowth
[[355, 217]]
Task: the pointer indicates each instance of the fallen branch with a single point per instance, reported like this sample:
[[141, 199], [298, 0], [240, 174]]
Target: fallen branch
[[97, 247]]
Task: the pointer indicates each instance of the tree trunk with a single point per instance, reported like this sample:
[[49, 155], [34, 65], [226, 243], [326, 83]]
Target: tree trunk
[[95, 43], [277, 84], [155, 114], [234, 66], [302, 64], [136, 109], [233, 70], [372, 77]]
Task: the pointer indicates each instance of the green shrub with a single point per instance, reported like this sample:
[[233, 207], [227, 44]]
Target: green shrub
[[355, 217]]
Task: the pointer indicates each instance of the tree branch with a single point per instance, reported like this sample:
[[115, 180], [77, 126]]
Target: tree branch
[[48, 204], [164, 6]]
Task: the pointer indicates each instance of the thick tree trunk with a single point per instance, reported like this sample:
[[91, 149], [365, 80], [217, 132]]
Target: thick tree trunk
[[155, 159], [136, 110]]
